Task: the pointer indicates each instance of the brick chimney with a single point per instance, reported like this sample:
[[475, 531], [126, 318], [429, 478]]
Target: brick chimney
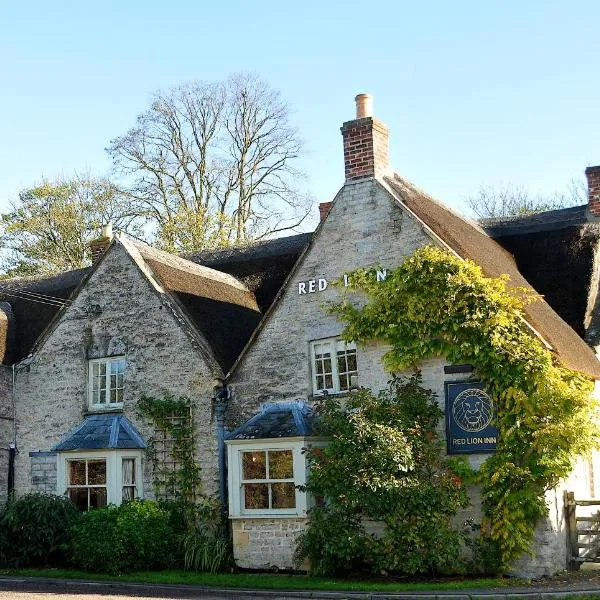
[[366, 151], [324, 209], [100, 245], [593, 181]]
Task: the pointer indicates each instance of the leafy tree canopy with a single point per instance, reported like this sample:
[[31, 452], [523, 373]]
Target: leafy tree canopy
[[50, 226]]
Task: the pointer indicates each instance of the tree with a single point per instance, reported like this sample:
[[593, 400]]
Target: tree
[[213, 164], [49, 228], [511, 200]]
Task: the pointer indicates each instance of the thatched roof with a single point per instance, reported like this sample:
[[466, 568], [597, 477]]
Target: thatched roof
[[470, 241]]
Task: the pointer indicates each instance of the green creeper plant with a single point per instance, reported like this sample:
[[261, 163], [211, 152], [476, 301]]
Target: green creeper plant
[[174, 417], [436, 304]]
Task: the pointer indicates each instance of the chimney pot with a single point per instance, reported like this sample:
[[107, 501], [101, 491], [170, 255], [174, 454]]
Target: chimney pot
[[366, 151], [364, 106]]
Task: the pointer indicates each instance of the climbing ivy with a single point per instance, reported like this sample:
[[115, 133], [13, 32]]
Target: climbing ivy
[[436, 304], [179, 477]]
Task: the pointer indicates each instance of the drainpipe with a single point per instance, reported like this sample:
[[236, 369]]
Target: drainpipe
[[12, 447], [220, 400]]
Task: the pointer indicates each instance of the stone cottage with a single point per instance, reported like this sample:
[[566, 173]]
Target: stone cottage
[[80, 348]]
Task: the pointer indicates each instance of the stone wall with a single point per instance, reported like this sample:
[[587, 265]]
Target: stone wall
[[43, 472], [266, 543], [6, 428], [116, 308]]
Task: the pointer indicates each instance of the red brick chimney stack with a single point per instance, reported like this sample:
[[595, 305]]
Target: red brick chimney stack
[[324, 209], [593, 180], [366, 152]]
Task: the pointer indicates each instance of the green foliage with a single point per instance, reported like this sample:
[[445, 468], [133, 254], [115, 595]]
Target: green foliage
[[34, 531], [49, 228], [174, 417], [334, 541], [383, 463], [206, 546], [134, 536], [435, 304]]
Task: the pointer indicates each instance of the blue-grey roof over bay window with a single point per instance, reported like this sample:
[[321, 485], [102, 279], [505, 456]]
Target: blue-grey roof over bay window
[[277, 420], [100, 432]]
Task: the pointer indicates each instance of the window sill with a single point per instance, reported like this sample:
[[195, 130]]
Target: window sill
[[103, 410], [267, 516], [315, 397]]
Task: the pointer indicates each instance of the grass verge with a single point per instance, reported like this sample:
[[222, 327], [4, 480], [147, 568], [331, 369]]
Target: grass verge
[[265, 581]]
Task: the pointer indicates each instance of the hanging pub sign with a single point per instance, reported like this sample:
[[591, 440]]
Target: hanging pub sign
[[470, 418]]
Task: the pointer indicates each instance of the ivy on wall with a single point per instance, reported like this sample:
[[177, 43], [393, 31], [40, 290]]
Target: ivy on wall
[[436, 304], [171, 448]]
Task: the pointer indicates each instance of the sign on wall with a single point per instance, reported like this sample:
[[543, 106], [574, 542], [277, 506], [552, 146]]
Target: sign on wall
[[470, 418]]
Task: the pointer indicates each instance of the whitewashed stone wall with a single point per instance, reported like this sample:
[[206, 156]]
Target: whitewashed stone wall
[[6, 428], [365, 227], [117, 304]]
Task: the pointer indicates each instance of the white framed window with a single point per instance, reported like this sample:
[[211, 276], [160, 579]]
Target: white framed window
[[97, 478], [106, 382], [333, 365], [264, 476]]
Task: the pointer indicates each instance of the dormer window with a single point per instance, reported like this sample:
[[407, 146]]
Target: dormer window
[[106, 382]]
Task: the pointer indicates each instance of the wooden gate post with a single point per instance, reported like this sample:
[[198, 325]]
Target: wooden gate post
[[570, 510]]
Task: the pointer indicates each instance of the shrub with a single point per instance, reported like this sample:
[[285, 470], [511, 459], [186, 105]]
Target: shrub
[[35, 531], [383, 463], [206, 545], [117, 539], [334, 543]]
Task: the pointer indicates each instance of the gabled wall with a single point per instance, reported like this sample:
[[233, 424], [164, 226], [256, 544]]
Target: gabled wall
[[116, 309], [365, 227]]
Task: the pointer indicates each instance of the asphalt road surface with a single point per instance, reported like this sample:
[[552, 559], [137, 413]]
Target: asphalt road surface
[[31, 589]]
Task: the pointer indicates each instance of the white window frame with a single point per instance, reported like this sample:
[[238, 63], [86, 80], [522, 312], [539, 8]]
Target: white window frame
[[336, 344], [235, 448], [107, 381], [114, 471]]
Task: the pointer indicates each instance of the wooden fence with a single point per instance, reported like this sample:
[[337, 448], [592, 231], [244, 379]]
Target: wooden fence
[[584, 530]]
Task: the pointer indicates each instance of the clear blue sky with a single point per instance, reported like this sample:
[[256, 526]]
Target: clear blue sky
[[483, 92]]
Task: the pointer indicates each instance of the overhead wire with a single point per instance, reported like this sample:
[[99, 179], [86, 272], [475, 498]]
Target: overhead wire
[[33, 297]]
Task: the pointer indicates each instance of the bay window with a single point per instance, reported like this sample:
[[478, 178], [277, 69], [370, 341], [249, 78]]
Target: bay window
[[96, 478]]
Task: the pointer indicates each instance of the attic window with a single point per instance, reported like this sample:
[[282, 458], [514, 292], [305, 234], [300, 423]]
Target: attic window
[[106, 382]]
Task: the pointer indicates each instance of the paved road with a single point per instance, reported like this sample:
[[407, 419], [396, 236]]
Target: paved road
[[16, 588]]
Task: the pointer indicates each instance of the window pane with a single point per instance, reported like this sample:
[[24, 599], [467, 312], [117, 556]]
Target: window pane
[[117, 366], [77, 472], [284, 495], [79, 497], [254, 465], [256, 495], [281, 464], [328, 382], [128, 493], [96, 472], [102, 397], [97, 497], [128, 471]]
